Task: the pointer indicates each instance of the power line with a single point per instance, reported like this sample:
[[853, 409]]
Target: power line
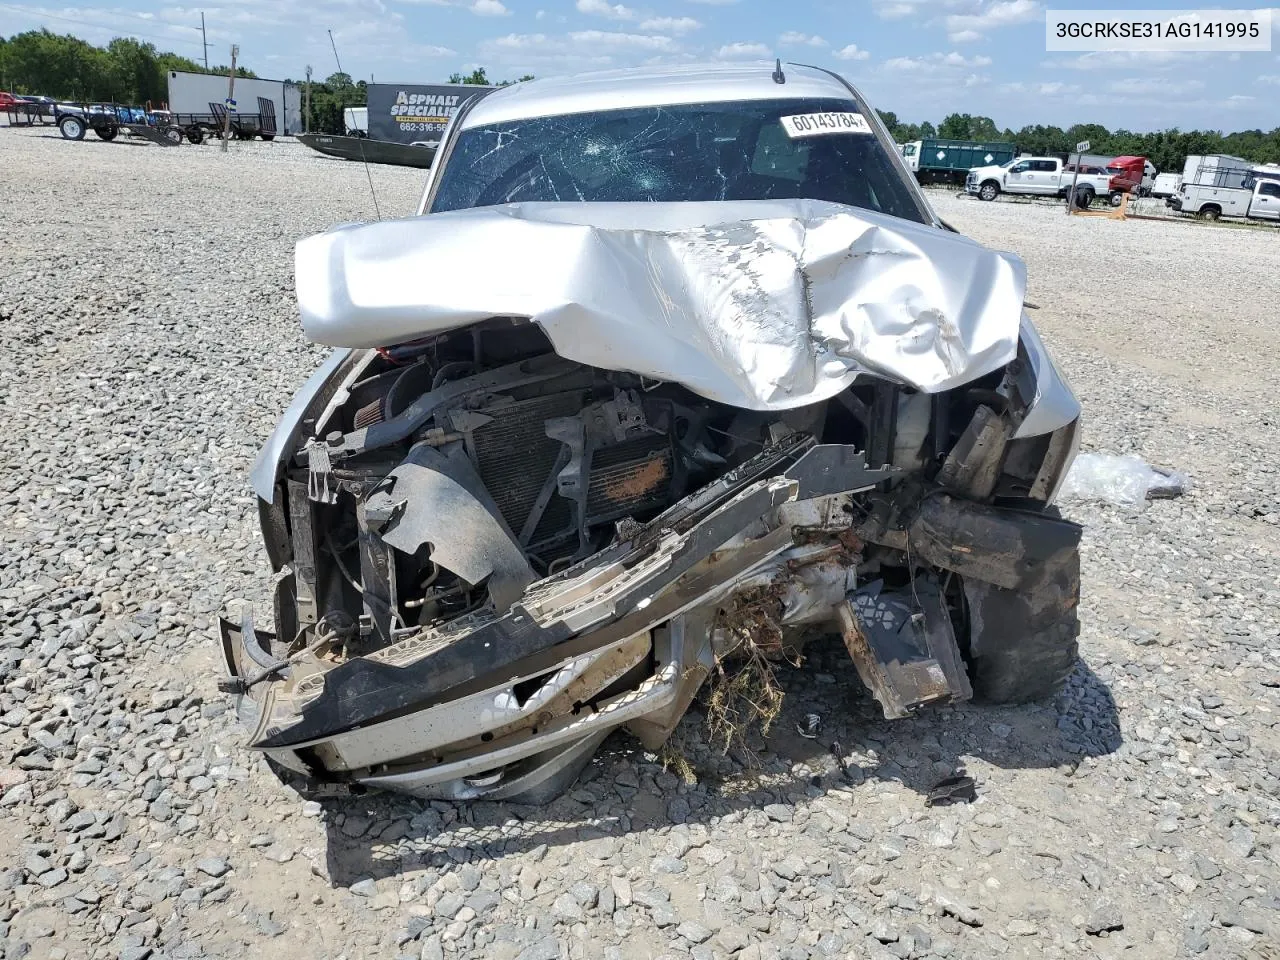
[[41, 15]]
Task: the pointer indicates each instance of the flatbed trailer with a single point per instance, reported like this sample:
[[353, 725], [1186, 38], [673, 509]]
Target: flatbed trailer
[[244, 126], [107, 120], [26, 113]]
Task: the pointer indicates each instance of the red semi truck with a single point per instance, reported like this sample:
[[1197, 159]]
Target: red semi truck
[[1134, 175]]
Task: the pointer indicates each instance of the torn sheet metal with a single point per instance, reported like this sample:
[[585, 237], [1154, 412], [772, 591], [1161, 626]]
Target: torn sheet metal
[[764, 305]]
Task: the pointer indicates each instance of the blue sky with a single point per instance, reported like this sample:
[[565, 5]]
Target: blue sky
[[919, 58]]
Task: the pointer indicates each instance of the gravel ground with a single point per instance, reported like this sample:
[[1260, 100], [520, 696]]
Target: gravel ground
[[148, 342]]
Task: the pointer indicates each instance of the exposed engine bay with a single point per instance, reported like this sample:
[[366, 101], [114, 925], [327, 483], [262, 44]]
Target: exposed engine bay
[[492, 556]]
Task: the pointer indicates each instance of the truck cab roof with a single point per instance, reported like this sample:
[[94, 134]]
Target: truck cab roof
[[655, 86]]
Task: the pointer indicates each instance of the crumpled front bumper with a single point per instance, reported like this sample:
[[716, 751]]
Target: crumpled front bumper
[[492, 705]]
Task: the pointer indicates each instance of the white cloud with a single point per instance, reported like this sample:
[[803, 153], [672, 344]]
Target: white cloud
[[540, 15], [676, 25], [1124, 60], [991, 16], [519, 41], [540, 53], [793, 38], [633, 41], [600, 8], [896, 9], [964, 36], [936, 63], [1054, 88], [1057, 88], [1270, 79], [741, 49], [1155, 87], [852, 52], [481, 8]]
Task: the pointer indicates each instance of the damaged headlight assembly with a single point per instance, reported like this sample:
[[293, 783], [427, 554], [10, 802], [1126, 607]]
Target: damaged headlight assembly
[[557, 438]]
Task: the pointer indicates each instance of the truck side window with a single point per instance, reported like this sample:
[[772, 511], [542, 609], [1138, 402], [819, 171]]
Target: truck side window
[[1043, 166], [1270, 189]]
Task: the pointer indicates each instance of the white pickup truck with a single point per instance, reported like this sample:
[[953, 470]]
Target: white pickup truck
[[1259, 202], [1038, 176]]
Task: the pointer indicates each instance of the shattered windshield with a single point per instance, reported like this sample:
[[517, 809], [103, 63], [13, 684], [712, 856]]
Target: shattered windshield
[[818, 149]]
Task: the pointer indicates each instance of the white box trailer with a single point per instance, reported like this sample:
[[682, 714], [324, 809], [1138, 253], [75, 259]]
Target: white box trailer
[[356, 121], [267, 108]]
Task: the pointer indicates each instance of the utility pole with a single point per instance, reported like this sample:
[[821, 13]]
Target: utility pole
[[306, 116], [205, 40], [231, 97]]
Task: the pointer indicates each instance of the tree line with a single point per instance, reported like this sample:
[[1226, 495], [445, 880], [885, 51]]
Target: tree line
[[59, 65], [1167, 149], [131, 71]]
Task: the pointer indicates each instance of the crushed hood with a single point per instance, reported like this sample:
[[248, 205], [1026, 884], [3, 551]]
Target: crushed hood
[[764, 305]]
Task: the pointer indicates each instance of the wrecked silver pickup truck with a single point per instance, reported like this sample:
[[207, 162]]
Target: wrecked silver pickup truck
[[656, 341]]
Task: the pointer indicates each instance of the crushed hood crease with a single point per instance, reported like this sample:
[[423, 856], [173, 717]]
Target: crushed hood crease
[[763, 305]]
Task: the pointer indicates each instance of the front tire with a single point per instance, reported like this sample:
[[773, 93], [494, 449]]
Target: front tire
[[1116, 198], [989, 191], [106, 133], [73, 128], [1083, 199]]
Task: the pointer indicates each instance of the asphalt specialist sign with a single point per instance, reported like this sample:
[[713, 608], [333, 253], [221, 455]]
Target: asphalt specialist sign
[[415, 112]]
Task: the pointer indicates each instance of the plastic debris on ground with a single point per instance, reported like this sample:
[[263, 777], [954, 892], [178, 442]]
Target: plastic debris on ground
[[1123, 481], [957, 788], [810, 726]]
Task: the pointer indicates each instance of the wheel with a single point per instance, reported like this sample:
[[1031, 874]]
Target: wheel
[[1023, 643], [268, 137], [1211, 213], [195, 135], [173, 135], [1117, 197], [72, 128], [1083, 198], [989, 191], [106, 133]]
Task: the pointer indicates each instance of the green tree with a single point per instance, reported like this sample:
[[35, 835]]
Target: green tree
[[479, 78], [961, 126], [330, 98], [476, 78], [66, 67]]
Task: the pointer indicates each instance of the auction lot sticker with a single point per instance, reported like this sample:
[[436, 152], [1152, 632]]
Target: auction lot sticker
[[817, 124]]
